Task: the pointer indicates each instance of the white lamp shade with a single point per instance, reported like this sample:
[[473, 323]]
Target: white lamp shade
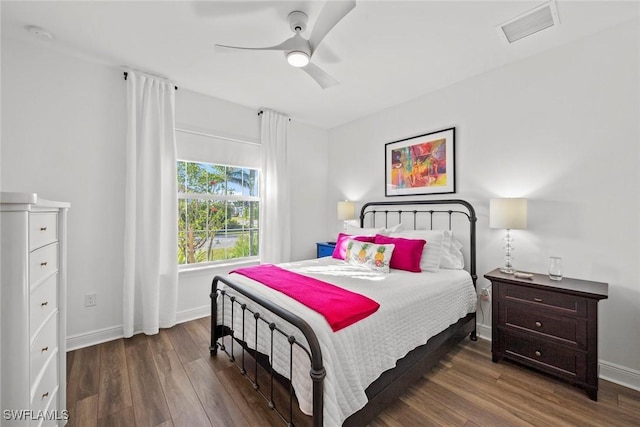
[[346, 210], [508, 214]]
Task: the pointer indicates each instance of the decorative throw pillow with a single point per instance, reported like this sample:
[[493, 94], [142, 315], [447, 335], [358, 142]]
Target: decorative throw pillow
[[341, 243], [369, 255], [357, 231], [432, 252], [406, 254], [452, 257], [394, 229]]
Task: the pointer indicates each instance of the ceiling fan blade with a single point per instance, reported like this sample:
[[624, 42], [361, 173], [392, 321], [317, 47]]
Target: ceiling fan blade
[[322, 78], [286, 45], [332, 13]]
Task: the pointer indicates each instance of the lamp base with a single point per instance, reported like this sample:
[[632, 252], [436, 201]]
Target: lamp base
[[508, 270]]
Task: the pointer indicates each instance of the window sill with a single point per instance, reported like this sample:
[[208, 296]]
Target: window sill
[[217, 267]]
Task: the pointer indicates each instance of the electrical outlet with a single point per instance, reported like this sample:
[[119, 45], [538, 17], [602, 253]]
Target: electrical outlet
[[89, 300], [485, 295]]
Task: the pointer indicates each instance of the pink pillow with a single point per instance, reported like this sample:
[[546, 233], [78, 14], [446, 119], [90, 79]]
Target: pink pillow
[[407, 252], [341, 244]]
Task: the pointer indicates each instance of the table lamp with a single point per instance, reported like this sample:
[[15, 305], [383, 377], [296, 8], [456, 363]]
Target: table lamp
[[346, 211], [509, 214]]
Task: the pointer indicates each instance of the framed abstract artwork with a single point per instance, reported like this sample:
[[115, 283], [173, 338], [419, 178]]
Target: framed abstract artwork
[[423, 164]]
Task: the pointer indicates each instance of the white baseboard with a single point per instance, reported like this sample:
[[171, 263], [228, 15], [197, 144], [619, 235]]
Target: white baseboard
[[483, 331], [94, 337], [116, 332], [620, 375], [192, 314]]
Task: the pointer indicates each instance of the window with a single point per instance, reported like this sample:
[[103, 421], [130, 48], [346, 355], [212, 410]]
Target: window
[[218, 212]]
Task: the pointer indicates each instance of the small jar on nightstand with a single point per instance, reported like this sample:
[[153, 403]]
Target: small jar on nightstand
[[325, 249]]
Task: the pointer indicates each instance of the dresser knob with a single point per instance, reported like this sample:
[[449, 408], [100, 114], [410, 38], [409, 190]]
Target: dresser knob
[[45, 349], [45, 303], [537, 299], [43, 264], [45, 395], [43, 228], [539, 325], [538, 354]]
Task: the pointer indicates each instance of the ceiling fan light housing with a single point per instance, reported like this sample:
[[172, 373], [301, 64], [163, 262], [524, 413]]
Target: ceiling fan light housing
[[297, 58]]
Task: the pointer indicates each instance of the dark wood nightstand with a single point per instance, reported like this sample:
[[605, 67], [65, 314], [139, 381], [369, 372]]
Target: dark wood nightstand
[[325, 249], [548, 325]]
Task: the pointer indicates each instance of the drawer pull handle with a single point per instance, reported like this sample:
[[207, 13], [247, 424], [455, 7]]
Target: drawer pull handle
[[539, 324], [45, 303], [45, 395], [43, 264], [45, 349], [537, 299], [43, 228], [538, 354]]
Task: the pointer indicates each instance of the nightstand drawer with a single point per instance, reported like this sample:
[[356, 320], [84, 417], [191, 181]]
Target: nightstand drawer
[[555, 359], [569, 329], [325, 249], [546, 299]]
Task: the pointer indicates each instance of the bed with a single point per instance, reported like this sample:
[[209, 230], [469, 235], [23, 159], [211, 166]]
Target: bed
[[347, 376]]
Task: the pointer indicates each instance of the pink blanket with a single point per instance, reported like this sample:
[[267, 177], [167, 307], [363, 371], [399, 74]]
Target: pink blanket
[[339, 306]]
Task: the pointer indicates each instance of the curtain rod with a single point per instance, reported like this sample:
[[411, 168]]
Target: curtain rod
[[126, 74], [260, 113]]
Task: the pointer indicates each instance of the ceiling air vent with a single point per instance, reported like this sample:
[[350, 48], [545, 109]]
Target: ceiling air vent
[[537, 19]]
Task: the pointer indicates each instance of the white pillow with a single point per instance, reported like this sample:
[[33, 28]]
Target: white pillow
[[452, 257], [369, 255], [432, 253], [395, 228], [357, 231]]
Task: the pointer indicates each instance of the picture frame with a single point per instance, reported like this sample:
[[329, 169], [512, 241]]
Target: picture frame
[[421, 165]]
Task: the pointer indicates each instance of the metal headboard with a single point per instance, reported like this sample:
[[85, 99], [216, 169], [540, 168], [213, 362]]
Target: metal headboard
[[373, 210]]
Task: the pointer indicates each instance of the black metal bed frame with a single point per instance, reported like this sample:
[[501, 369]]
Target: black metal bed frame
[[392, 382]]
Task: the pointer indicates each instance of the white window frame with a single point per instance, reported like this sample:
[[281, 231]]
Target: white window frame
[[219, 198]]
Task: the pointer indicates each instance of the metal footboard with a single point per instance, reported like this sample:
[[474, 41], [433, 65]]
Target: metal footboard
[[232, 302]]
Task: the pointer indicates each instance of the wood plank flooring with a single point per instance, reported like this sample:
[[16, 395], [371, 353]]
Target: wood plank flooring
[[169, 379]]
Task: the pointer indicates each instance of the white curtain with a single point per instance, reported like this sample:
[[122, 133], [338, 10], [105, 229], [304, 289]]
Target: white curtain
[[151, 207], [275, 222]]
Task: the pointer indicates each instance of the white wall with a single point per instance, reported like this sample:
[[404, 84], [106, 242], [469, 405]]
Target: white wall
[[561, 129], [63, 136]]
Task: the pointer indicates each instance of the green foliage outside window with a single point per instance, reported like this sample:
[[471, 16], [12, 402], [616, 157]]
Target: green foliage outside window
[[218, 212]]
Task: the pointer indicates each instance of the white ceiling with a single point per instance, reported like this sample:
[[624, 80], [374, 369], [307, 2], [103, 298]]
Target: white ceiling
[[383, 52]]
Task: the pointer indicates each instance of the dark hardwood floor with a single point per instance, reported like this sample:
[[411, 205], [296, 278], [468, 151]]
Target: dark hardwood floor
[[170, 380]]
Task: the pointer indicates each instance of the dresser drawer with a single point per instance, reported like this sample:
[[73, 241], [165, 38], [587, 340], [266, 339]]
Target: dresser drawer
[[53, 416], [555, 359], [43, 391], [560, 302], [568, 329], [45, 345], [43, 229], [43, 262], [43, 302]]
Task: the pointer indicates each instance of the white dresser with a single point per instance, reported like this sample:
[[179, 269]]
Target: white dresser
[[33, 310]]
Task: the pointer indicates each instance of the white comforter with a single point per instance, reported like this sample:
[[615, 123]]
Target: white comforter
[[413, 308]]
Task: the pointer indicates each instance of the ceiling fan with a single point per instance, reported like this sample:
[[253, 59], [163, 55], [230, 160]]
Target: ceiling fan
[[298, 50]]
